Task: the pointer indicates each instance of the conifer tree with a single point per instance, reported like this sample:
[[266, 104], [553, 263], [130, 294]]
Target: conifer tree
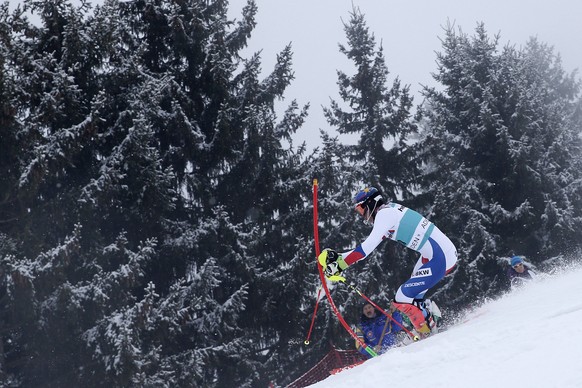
[[120, 157], [9, 129], [486, 141], [227, 151], [380, 115], [188, 58], [54, 125]]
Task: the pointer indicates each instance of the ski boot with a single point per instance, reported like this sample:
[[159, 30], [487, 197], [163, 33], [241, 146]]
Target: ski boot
[[435, 312], [424, 307], [417, 318], [431, 312]]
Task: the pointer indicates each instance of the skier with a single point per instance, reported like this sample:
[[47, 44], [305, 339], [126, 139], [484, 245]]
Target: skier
[[390, 220], [377, 330]]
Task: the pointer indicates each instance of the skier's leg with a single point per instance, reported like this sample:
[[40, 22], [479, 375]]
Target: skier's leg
[[447, 247], [430, 268], [426, 276]]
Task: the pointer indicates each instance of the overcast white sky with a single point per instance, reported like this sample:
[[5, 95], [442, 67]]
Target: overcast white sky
[[409, 32]]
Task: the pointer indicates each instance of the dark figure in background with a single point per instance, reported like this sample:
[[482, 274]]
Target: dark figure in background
[[518, 273]]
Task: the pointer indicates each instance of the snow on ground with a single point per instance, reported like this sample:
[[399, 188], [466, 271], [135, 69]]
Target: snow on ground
[[531, 337]]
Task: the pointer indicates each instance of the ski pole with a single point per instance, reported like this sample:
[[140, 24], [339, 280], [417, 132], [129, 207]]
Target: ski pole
[[384, 331], [411, 334]]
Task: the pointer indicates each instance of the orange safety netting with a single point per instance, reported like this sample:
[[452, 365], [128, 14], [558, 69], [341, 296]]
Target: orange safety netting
[[333, 360]]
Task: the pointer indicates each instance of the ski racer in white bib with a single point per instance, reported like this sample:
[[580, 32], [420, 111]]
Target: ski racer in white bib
[[392, 221]]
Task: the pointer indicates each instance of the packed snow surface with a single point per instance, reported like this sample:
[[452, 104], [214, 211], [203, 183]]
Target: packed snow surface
[[531, 337]]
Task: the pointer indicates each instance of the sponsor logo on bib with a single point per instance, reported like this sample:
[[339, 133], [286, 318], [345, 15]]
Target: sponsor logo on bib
[[423, 272]]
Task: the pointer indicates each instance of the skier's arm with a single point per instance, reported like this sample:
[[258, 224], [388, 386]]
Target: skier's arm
[[374, 239]]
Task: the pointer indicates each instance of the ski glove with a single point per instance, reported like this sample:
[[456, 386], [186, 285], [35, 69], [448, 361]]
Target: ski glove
[[333, 264]]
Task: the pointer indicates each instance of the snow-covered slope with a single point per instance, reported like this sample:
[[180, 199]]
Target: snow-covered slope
[[531, 337]]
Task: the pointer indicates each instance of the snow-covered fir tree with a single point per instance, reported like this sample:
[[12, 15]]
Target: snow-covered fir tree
[[379, 113], [502, 150]]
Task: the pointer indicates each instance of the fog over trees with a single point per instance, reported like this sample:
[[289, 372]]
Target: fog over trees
[[156, 215]]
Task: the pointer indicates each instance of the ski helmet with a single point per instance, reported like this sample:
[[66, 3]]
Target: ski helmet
[[368, 198]]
